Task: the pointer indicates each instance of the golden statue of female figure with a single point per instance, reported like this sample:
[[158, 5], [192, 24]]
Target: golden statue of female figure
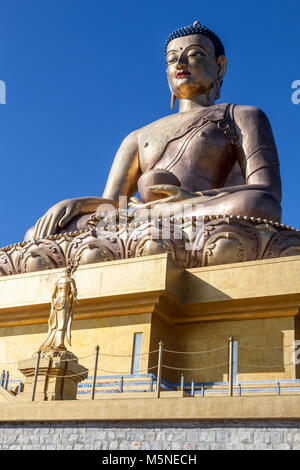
[[61, 316]]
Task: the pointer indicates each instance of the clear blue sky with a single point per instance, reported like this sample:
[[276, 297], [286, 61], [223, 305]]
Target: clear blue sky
[[82, 74]]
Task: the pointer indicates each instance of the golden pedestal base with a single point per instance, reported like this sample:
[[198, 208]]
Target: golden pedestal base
[[57, 379], [191, 310]]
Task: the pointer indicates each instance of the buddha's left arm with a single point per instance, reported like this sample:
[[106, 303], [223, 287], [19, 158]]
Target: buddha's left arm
[[256, 153]]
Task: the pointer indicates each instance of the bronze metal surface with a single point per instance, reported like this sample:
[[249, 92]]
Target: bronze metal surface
[[223, 157]]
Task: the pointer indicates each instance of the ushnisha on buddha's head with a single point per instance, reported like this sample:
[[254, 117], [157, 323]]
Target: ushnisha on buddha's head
[[196, 64]]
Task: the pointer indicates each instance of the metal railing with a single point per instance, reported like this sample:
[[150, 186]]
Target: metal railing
[[108, 380]]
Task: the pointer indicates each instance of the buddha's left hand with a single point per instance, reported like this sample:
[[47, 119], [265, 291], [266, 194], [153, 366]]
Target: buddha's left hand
[[168, 193]]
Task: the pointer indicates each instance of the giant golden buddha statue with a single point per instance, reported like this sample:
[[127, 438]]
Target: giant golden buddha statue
[[199, 144], [211, 168]]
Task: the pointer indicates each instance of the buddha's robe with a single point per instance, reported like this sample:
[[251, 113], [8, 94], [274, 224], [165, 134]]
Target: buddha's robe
[[208, 153]]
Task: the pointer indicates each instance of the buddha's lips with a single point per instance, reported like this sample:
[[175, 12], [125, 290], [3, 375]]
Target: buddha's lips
[[182, 73]]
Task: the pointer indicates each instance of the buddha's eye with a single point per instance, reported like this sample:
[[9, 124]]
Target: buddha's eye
[[195, 53], [171, 60]]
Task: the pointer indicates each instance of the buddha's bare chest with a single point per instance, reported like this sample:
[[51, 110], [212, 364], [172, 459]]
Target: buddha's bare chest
[[202, 146]]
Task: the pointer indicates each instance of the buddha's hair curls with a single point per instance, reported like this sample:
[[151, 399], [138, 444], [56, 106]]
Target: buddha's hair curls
[[197, 28]]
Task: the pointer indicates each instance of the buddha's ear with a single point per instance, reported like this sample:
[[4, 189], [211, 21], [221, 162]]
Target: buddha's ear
[[222, 64]]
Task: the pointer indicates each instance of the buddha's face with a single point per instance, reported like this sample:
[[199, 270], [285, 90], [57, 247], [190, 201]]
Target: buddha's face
[[192, 68]]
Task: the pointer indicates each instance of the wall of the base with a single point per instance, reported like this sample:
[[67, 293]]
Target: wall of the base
[[200, 435], [265, 349], [115, 335]]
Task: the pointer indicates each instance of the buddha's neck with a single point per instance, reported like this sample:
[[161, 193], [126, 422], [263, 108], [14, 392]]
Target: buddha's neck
[[200, 101]]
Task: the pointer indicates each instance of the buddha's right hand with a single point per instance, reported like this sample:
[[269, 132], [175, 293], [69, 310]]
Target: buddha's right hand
[[57, 216]]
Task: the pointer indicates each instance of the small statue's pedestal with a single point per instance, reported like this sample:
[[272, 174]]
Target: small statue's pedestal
[[57, 379]]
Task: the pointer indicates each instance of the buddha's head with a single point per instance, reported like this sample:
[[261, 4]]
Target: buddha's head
[[196, 62]]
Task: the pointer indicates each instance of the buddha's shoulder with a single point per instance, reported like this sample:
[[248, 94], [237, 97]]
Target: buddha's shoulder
[[174, 121], [245, 112]]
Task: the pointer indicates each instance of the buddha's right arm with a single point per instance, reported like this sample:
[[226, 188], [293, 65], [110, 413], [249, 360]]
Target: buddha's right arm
[[122, 181], [125, 170]]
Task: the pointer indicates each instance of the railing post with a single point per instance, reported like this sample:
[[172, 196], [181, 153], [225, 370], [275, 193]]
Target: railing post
[[36, 374], [95, 372], [6, 380], [230, 366], [151, 383], [239, 390], [278, 388], [2, 378], [182, 383], [192, 388], [121, 384], [159, 367]]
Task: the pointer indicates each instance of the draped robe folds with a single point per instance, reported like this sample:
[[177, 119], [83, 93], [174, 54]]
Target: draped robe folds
[[61, 315], [212, 131], [207, 154]]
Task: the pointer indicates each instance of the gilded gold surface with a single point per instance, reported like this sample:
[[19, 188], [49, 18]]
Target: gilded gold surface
[[61, 315], [191, 310]]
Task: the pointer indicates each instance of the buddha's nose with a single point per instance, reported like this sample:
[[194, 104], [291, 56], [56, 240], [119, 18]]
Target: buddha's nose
[[181, 63]]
